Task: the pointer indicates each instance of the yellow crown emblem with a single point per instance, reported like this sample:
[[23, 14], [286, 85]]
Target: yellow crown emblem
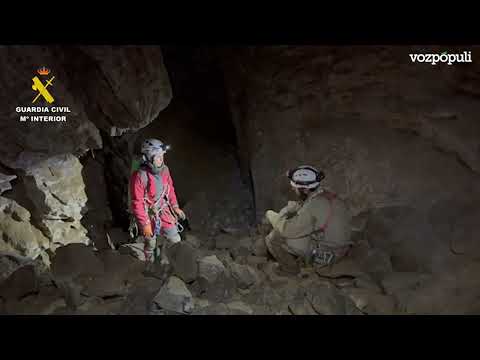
[[43, 71]]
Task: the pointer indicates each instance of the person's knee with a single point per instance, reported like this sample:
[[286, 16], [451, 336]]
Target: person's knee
[[150, 242], [173, 238], [276, 244], [269, 240], [299, 247]]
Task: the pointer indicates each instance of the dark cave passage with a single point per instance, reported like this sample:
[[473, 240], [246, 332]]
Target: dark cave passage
[[205, 159]]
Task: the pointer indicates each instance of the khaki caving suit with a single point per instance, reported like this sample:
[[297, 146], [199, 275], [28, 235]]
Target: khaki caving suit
[[321, 223]]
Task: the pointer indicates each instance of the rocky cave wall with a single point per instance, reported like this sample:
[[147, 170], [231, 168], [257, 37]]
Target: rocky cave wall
[[396, 139], [109, 90]]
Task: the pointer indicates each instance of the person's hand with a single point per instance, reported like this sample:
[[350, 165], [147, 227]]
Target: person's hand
[[291, 208], [147, 230], [180, 213], [271, 216]]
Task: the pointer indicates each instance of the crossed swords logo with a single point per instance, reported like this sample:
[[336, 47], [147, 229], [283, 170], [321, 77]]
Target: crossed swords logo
[[42, 90]]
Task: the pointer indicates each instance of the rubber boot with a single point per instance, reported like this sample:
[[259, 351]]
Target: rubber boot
[[288, 262]]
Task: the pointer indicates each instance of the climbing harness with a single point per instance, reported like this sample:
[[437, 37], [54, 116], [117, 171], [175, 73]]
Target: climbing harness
[[330, 197], [154, 212], [320, 255], [133, 228], [179, 226]]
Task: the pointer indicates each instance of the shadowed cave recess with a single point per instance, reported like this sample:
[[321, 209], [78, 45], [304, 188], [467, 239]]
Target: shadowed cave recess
[[398, 141]]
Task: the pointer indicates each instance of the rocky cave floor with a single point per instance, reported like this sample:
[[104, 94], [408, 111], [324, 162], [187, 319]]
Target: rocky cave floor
[[228, 274]]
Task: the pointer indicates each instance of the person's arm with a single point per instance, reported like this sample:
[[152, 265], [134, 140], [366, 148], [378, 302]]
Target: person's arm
[[307, 220], [137, 191], [172, 196], [291, 208]]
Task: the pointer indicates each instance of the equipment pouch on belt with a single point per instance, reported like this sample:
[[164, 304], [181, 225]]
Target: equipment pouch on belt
[[319, 254], [323, 257], [133, 228]]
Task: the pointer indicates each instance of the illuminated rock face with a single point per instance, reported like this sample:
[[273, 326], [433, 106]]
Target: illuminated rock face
[[57, 191], [17, 235], [103, 89], [5, 182]]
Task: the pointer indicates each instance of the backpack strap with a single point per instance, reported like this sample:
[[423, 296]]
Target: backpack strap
[[133, 228], [330, 196], [145, 178], [146, 182]]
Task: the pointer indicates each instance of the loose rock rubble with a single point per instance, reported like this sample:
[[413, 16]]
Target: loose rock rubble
[[174, 296], [183, 258], [205, 281], [244, 275], [20, 283], [210, 268]]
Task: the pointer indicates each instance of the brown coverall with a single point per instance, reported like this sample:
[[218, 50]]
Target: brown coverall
[[297, 229]]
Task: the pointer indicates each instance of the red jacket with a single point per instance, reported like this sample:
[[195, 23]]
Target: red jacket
[[137, 190]]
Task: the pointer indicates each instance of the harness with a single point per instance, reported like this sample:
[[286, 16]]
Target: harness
[[320, 255], [330, 196], [154, 210]]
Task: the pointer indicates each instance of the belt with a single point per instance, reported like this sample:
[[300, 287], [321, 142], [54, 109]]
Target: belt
[[341, 251], [326, 256]]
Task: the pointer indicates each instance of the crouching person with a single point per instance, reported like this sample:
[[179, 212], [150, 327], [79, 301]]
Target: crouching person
[[316, 228]]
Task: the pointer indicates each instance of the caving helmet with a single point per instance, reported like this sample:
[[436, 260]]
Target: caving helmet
[[153, 147], [305, 177]]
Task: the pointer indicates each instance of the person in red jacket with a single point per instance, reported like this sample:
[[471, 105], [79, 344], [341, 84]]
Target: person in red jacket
[[153, 199]]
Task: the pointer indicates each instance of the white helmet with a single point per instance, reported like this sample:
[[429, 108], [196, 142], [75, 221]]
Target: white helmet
[[153, 147], [305, 177]]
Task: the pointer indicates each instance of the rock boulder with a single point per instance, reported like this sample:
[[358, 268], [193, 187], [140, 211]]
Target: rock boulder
[[183, 258], [174, 296], [22, 282], [244, 275], [17, 234], [210, 268]]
